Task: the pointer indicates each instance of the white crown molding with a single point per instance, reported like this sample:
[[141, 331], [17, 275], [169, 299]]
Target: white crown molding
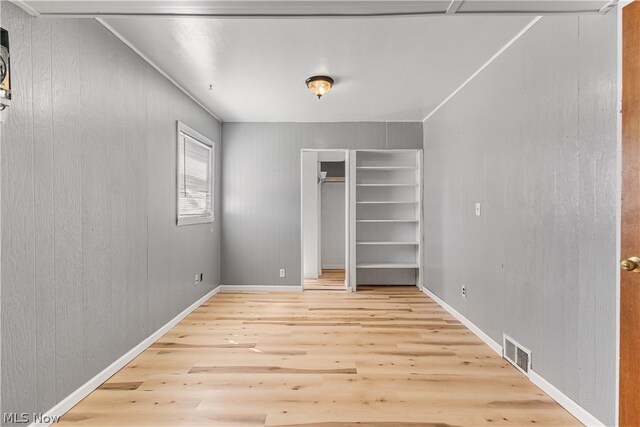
[[24, 6], [485, 65], [154, 65]]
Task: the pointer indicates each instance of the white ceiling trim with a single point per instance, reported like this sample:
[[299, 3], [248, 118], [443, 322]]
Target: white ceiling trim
[[607, 7], [321, 15], [485, 65], [454, 6], [31, 11], [22, 5], [153, 64], [305, 8]]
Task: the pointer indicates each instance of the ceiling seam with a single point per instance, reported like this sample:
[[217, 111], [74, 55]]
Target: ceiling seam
[[607, 7], [485, 65], [157, 68]]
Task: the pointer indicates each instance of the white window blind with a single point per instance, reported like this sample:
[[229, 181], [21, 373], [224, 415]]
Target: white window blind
[[195, 172]]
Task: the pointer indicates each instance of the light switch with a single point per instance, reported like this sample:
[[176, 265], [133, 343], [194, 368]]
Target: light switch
[[477, 209]]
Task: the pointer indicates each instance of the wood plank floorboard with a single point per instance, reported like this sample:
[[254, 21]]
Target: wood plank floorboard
[[381, 357], [330, 279]]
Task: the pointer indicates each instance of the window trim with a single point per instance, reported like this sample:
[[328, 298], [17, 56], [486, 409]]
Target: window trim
[[193, 134]]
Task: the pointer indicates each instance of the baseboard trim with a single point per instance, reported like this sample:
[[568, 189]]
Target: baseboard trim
[[563, 400], [333, 267], [83, 391], [466, 322], [261, 288]]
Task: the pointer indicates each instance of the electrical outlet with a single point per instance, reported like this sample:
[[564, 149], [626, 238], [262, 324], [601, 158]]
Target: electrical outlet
[[464, 292], [477, 209], [283, 272], [196, 280]]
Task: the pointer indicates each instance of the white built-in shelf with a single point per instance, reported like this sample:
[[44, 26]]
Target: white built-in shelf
[[387, 185], [386, 220], [386, 168], [385, 202], [387, 242], [388, 265]]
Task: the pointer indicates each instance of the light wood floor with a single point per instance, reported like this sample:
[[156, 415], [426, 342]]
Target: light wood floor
[[378, 357], [329, 280]]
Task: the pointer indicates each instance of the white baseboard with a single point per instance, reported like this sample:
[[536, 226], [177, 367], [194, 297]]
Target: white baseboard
[[70, 401], [466, 322], [333, 267], [572, 407], [261, 288], [563, 400]]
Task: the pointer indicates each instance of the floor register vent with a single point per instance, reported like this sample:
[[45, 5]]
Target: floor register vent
[[518, 355]]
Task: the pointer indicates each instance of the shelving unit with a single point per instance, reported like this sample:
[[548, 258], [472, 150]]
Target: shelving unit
[[383, 202], [387, 242], [382, 168], [386, 220], [389, 265], [387, 185], [387, 216]]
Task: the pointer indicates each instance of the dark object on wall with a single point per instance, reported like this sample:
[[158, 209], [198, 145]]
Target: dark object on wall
[[5, 72]]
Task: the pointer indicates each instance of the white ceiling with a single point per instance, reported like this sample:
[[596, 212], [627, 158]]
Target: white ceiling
[[386, 69]]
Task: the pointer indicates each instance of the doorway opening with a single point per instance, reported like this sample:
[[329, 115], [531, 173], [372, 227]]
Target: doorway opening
[[325, 219]]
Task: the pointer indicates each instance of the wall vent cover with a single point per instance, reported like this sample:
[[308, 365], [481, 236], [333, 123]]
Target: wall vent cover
[[516, 354]]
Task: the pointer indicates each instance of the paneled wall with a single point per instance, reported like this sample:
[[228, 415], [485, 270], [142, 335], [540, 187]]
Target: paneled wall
[[92, 261], [533, 139], [261, 190], [332, 239]]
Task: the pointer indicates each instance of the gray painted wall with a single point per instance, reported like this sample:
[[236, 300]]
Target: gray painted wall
[[533, 138], [332, 217], [92, 262], [261, 190]]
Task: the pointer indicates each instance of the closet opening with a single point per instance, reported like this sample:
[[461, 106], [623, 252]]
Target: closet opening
[[325, 219]]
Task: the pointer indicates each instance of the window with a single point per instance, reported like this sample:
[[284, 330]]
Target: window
[[195, 177]]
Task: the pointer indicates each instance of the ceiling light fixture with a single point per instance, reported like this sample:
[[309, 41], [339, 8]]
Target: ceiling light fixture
[[319, 85]]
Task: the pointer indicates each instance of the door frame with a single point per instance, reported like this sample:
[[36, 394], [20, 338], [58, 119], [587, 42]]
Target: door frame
[[348, 280]]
